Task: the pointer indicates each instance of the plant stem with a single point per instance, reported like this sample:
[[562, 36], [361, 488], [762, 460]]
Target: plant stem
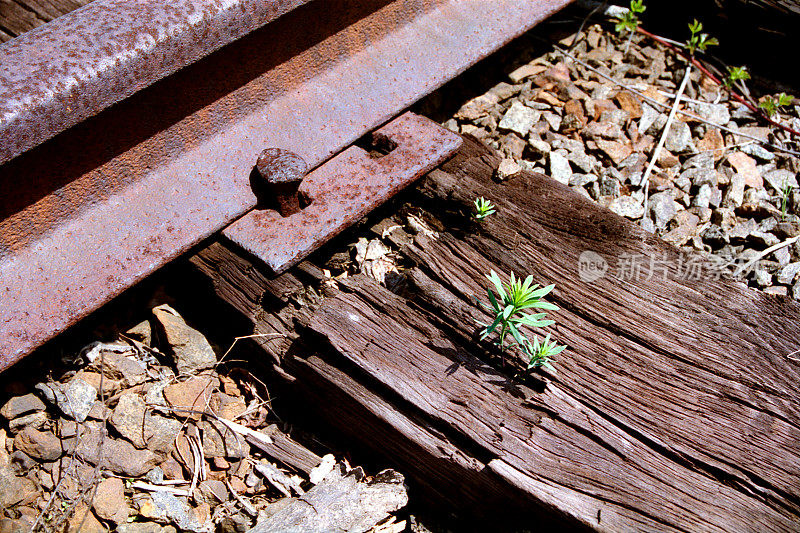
[[716, 80], [656, 103], [664, 134]]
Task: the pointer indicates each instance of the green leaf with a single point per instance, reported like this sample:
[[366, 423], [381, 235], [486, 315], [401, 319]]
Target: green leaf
[[785, 99], [493, 300], [495, 279]]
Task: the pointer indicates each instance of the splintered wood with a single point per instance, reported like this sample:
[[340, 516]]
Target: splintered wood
[[675, 406]]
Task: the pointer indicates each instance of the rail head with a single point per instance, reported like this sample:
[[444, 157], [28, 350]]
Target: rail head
[[61, 73]]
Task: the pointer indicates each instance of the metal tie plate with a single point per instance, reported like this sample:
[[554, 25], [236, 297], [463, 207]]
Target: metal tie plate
[[343, 190]]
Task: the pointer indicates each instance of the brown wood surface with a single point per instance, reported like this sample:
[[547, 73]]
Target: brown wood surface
[[675, 407], [19, 16]]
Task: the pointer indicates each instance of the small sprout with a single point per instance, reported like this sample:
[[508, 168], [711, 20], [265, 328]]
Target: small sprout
[[699, 41], [508, 301], [540, 353], [785, 193], [630, 20], [770, 105], [735, 74], [483, 208]]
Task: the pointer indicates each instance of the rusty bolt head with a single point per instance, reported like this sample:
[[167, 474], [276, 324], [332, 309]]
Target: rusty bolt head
[[283, 171]]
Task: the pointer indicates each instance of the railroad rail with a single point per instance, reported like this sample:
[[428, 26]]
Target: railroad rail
[[130, 131]]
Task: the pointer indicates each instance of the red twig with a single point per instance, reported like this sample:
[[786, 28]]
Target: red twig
[[713, 78]]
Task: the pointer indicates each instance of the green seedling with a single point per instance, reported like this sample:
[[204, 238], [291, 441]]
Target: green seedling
[[785, 193], [699, 41], [483, 208], [540, 353], [735, 74], [770, 105], [630, 20], [508, 301]]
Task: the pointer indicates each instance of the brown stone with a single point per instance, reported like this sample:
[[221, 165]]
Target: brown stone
[[109, 501], [193, 394], [666, 159], [84, 521], [546, 97], [712, 142], [600, 106], [746, 165], [615, 150], [42, 445], [630, 103]]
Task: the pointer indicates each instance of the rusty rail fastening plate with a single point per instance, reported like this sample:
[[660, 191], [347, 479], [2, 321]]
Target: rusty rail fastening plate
[[343, 190], [107, 201]]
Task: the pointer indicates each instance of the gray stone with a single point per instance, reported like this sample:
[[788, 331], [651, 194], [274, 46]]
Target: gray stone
[[715, 113], [34, 420], [648, 118], [559, 168], [743, 229], [609, 184], [762, 239], [701, 176], [602, 130], [678, 137], [581, 180], [627, 207], [615, 116], [761, 277], [778, 179], [219, 441], [214, 491], [180, 513], [21, 405], [583, 161], [519, 118], [538, 147], [703, 160], [782, 255], [125, 368], [703, 196], [75, 399], [144, 429], [553, 120], [663, 208], [734, 196], [777, 289], [758, 151], [788, 273], [143, 527], [191, 349], [796, 290]]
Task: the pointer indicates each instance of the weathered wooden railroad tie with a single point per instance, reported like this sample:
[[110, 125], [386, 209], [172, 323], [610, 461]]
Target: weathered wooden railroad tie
[[675, 407]]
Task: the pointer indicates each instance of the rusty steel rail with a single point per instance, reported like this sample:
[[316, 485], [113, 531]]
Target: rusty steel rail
[[121, 154]]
